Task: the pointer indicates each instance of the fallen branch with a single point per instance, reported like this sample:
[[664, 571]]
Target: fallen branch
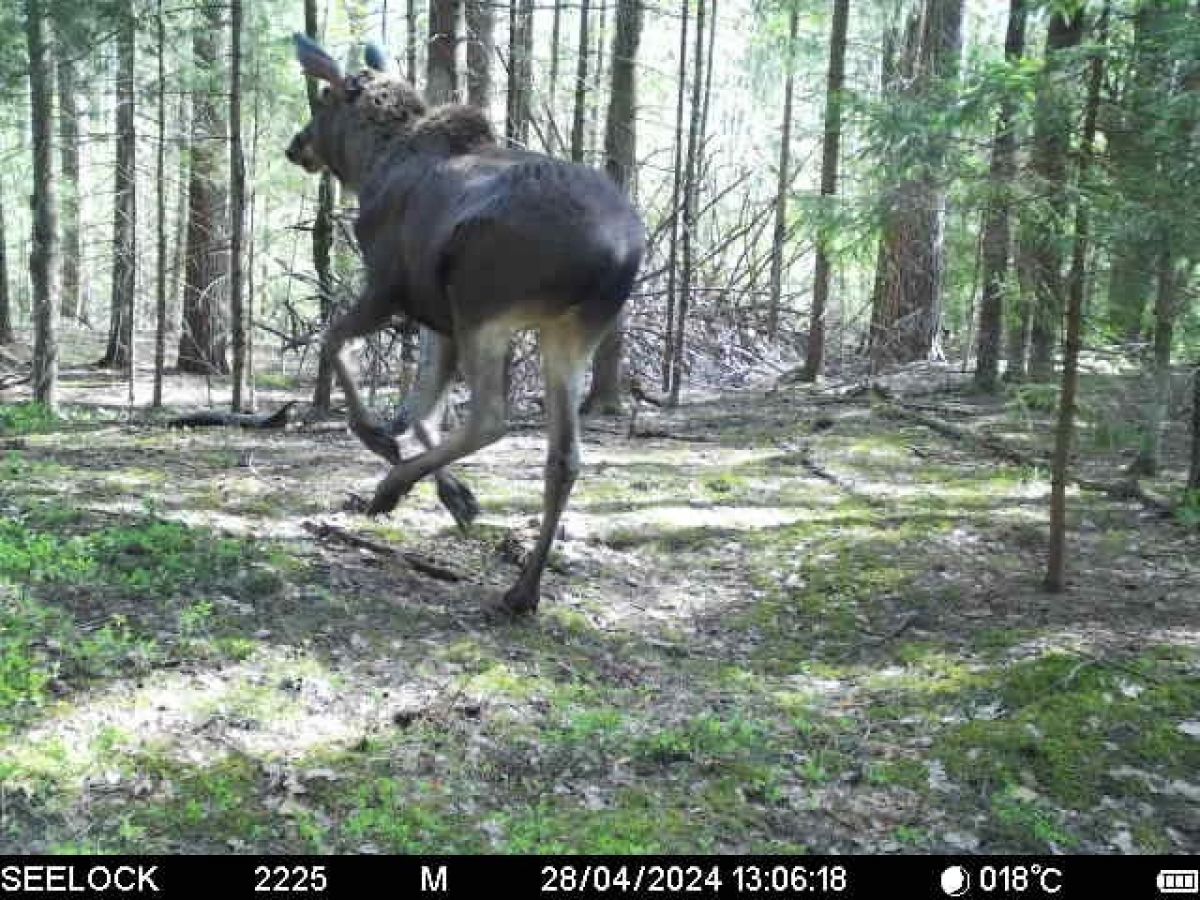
[[422, 564], [211, 418], [9, 381], [1127, 489]]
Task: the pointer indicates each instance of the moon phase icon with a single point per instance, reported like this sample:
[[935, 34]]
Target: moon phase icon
[[955, 881]]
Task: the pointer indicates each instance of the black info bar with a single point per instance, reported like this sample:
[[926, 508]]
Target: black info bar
[[667, 877]]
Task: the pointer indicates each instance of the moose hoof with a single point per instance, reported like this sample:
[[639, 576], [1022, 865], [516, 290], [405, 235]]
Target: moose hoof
[[459, 501], [386, 499]]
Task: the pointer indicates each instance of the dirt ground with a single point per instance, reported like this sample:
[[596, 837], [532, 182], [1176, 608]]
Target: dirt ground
[[778, 620]]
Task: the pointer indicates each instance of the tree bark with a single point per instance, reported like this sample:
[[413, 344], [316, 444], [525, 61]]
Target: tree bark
[[322, 233], [441, 72], [785, 167], [6, 327], [996, 232], [581, 76], [555, 43], [122, 307], [1154, 417], [1042, 219], [68, 115], [237, 170], [907, 317], [481, 49], [410, 51], [42, 259], [830, 151], [668, 367], [691, 191], [160, 214], [1193, 482], [620, 162], [1065, 430], [202, 340]]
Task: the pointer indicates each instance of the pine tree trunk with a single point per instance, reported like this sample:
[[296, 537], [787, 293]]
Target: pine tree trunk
[[785, 168], [581, 76], [410, 50], [996, 233], [122, 307], [6, 325], [1154, 417], [237, 170], [1193, 482], [1065, 430], [1041, 225], [907, 316], [160, 213], [620, 162], [202, 341], [481, 48], [555, 43], [830, 151], [68, 114], [441, 73], [43, 254], [668, 368], [691, 190], [322, 233]]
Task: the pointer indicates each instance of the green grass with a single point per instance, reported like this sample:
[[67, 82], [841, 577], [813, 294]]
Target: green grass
[[26, 418]]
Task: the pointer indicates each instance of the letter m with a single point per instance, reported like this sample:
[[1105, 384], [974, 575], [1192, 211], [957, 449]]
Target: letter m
[[434, 882]]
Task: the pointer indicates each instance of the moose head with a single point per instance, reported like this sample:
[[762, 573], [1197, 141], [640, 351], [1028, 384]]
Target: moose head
[[354, 115]]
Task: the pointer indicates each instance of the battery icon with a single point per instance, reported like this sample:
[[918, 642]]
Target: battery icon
[[1178, 881]]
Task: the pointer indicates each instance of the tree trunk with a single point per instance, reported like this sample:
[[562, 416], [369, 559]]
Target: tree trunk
[[322, 233], [481, 48], [830, 151], [691, 192], [907, 317], [1043, 220], [1065, 430], [122, 307], [620, 162], [410, 51], [206, 279], [555, 43], [42, 258], [581, 75], [441, 72], [594, 101], [785, 167], [160, 212], [1193, 482], [6, 327], [237, 170], [676, 201], [1165, 308], [68, 115], [996, 237]]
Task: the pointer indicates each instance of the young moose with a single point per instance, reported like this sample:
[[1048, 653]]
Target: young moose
[[475, 242]]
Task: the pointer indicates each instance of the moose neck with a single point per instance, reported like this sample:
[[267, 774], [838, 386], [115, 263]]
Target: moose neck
[[446, 131]]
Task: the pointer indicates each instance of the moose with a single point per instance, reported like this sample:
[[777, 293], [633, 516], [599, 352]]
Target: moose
[[474, 241]]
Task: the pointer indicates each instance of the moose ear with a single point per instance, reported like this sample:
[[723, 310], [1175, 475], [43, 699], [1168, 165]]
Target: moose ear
[[376, 58], [315, 61]]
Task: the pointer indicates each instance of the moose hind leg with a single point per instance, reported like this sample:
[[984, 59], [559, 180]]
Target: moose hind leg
[[564, 358]]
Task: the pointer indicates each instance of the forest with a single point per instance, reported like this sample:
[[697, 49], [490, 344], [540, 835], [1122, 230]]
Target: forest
[[885, 534]]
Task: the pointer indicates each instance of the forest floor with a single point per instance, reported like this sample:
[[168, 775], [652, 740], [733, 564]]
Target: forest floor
[[778, 621]]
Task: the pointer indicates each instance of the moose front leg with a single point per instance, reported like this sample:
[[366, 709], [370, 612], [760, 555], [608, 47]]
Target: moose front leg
[[366, 317]]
